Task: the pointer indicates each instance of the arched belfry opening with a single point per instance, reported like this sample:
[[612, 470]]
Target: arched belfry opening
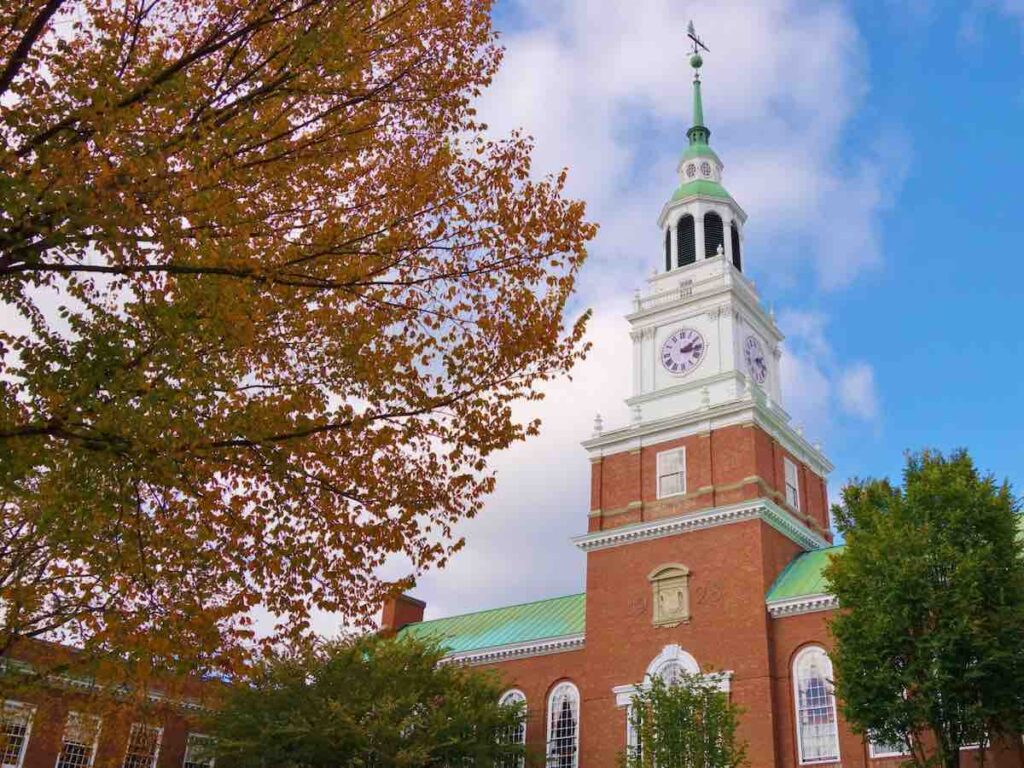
[[737, 261], [668, 249], [714, 234], [686, 240]]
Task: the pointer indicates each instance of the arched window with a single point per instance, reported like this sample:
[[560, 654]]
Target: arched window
[[686, 241], [817, 730], [517, 733], [736, 260], [668, 249], [714, 234], [564, 727]]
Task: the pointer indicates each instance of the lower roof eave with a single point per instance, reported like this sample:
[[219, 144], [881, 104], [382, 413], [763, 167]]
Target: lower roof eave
[[795, 606], [502, 653]]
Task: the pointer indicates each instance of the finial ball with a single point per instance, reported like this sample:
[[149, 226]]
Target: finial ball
[[696, 61]]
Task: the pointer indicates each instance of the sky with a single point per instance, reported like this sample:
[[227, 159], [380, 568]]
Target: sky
[[877, 149]]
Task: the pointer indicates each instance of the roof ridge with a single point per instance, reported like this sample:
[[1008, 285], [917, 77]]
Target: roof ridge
[[500, 608]]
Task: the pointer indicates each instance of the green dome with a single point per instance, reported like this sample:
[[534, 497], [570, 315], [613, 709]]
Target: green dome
[[702, 187], [699, 150]]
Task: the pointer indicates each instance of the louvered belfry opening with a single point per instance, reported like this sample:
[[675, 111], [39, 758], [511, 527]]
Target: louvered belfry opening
[[668, 249], [714, 234], [687, 240], [736, 260]]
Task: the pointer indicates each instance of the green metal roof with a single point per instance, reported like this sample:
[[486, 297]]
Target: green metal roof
[[529, 622], [803, 576], [701, 187], [699, 150]]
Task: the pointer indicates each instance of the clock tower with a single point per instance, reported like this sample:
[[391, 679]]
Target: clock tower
[[705, 362]]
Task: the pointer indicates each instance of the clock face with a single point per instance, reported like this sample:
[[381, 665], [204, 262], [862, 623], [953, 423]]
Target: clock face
[[753, 354], [705, 168], [683, 351], [691, 170]]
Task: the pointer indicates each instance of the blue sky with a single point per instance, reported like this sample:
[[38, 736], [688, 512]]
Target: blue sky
[[877, 148]]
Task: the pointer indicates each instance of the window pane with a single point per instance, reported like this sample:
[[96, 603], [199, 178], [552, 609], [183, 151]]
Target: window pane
[[143, 742], [15, 722], [671, 462], [563, 727], [198, 751], [670, 484], [79, 741], [817, 729]]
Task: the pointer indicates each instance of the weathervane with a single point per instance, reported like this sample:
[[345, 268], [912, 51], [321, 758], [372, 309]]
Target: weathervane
[[698, 46]]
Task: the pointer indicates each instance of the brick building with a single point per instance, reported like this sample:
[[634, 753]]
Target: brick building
[[707, 531], [83, 720]]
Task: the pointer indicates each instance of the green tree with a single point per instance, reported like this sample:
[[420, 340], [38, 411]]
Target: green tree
[[931, 583], [367, 701], [688, 721]]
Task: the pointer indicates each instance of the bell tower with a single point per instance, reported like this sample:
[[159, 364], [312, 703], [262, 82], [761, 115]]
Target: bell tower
[[706, 377]]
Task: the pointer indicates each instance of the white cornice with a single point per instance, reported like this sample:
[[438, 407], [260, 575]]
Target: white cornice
[[794, 606], [753, 408], [517, 650], [758, 509]]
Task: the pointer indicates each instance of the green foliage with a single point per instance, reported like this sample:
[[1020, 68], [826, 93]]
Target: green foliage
[[931, 583], [688, 722], [368, 701]]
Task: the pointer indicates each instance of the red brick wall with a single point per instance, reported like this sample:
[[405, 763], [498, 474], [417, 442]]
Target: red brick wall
[[724, 466]]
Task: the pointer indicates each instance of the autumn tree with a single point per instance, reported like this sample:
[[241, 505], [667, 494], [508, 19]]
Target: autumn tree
[[368, 701], [931, 587], [270, 293]]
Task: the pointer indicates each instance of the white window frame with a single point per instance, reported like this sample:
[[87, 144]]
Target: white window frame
[[513, 696], [136, 727], [875, 754], [659, 473], [827, 672], [29, 713], [787, 465], [190, 740], [567, 687], [73, 715]]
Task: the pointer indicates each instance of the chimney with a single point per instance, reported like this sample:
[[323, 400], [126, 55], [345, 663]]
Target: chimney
[[400, 611]]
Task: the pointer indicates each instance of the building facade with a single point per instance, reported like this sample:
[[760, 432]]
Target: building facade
[[707, 532]]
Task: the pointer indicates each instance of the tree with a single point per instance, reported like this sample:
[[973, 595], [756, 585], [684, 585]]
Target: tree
[[367, 701], [270, 295], [931, 589], [687, 721]]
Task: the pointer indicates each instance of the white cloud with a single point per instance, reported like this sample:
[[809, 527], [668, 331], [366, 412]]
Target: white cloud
[[604, 88], [857, 393]]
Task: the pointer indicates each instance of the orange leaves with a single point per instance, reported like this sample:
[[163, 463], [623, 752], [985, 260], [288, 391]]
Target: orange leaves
[[303, 292]]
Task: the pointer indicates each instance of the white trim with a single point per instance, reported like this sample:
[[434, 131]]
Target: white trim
[[873, 755], [29, 713], [624, 693], [794, 606], [138, 726], [660, 473], [565, 684], [837, 757], [787, 465], [758, 509], [755, 409], [517, 650], [192, 737], [81, 717]]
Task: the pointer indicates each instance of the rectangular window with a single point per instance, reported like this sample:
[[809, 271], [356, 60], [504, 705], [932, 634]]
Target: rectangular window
[[883, 749], [671, 472], [198, 751], [78, 744], [792, 484], [15, 725], [143, 746]]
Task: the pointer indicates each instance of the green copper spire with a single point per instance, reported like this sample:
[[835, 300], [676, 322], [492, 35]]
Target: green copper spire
[[698, 133]]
